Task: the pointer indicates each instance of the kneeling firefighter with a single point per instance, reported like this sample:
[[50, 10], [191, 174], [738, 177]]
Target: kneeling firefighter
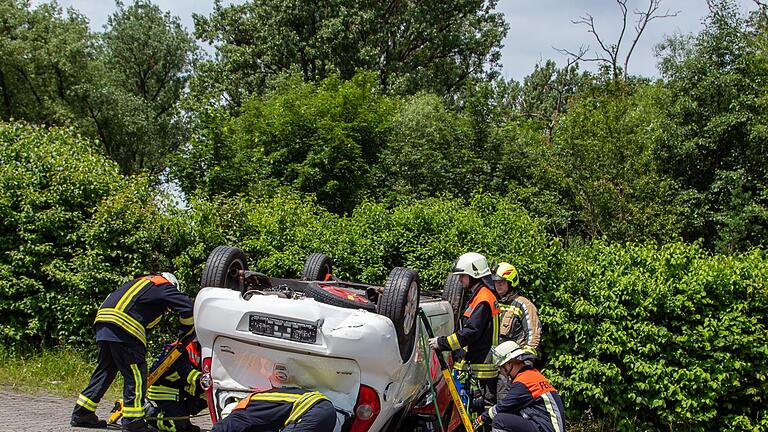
[[177, 393], [531, 404], [283, 409], [479, 327]]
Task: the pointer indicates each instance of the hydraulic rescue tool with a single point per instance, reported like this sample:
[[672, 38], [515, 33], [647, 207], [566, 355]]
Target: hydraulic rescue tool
[[448, 377]]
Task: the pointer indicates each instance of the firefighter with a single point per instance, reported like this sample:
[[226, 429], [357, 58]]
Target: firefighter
[[283, 409], [519, 317], [177, 393], [532, 403], [121, 334], [479, 330]]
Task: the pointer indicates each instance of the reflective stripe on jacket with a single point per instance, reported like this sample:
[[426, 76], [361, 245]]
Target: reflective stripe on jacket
[[478, 333], [139, 305], [520, 322], [284, 405]]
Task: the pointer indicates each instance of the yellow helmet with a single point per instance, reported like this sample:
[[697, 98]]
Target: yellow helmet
[[508, 272]]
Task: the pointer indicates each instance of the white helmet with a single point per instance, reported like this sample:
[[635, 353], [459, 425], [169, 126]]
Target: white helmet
[[509, 350], [472, 264], [170, 277]]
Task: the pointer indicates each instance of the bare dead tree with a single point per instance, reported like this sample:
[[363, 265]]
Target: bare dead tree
[[611, 53], [762, 6]]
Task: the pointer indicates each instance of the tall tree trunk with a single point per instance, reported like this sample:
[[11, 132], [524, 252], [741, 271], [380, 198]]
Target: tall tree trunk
[[6, 97]]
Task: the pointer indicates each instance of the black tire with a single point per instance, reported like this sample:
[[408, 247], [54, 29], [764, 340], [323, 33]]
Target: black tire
[[453, 293], [222, 267], [317, 267], [316, 291], [400, 303]]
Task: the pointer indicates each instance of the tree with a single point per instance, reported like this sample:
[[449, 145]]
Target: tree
[[430, 151], [134, 92], [43, 56], [319, 138], [715, 149], [546, 92], [427, 45], [610, 54]]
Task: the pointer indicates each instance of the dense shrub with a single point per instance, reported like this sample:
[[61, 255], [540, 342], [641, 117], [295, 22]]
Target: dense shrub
[[661, 337], [71, 230], [278, 233], [649, 337]]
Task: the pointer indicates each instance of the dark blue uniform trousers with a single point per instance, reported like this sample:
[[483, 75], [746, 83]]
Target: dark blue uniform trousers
[[505, 422], [128, 358]]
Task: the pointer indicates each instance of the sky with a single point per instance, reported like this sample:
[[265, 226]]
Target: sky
[[537, 27]]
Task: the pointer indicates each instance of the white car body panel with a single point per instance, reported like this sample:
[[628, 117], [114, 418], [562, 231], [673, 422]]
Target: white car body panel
[[352, 347]]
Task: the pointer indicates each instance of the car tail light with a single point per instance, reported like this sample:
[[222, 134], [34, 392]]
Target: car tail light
[[367, 408], [206, 382]]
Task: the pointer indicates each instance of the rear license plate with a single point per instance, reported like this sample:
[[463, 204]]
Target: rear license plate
[[282, 329]]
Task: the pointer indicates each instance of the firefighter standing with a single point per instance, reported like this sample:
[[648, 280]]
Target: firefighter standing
[[282, 409], [121, 326], [532, 403], [519, 317], [177, 393], [479, 324]]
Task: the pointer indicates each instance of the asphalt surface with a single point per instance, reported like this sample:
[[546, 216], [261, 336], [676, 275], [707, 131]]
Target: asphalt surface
[[38, 413]]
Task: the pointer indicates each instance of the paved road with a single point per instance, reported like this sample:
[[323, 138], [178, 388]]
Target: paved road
[[23, 412]]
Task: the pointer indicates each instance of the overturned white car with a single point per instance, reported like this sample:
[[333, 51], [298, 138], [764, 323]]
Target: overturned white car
[[361, 345]]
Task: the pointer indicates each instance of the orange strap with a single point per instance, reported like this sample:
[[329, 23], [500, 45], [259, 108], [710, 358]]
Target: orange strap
[[244, 402]]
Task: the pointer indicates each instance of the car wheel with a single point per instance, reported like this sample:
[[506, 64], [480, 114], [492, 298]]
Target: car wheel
[[400, 303], [222, 266], [317, 267], [338, 296], [453, 293]]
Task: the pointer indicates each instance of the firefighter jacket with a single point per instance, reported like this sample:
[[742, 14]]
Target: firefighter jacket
[[128, 312], [478, 333], [181, 381], [520, 322], [279, 407], [532, 397]]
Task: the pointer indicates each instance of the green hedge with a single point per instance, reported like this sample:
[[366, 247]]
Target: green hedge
[[648, 337], [661, 337], [71, 230]]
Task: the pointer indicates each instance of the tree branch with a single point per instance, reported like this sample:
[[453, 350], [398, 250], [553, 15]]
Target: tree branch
[[642, 21], [613, 51], [589, 21], [580, 55]]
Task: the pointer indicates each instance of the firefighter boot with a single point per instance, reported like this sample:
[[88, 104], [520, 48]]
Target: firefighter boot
[[138, 425], [87, 421]]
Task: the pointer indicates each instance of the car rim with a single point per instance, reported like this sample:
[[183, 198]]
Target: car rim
[[410, 307]]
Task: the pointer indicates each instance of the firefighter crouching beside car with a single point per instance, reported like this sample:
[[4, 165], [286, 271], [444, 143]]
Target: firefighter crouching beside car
[[531, 404], [479, 324], [121, 334], [177, 394], [283, 409]]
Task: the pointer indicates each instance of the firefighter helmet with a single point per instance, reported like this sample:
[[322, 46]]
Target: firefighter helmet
[[508, 272], [510, 350], [472, 264], [170, 277]]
